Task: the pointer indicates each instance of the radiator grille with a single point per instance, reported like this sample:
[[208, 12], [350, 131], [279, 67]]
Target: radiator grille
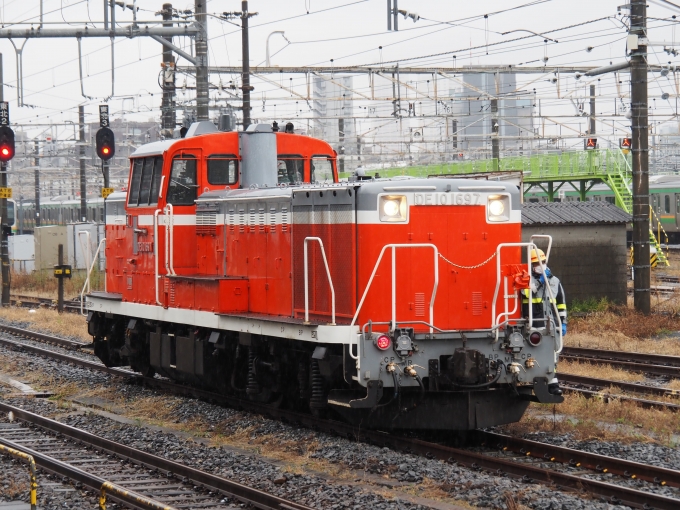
[[420, 304], [476, 303], [284, 218], [206, 222]]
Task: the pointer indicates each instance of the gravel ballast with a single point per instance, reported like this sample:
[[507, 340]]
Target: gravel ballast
[[370, 472]]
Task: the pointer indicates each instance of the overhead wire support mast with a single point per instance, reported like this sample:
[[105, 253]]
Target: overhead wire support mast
[[245, 70], [640, 149]]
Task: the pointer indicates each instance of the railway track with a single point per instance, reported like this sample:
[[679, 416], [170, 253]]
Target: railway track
[[514, 457], [656, 364], [92, 460], [72, 305]]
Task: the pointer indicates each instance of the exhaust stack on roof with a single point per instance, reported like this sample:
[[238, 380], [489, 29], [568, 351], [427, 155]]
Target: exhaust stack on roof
[[257, 146]]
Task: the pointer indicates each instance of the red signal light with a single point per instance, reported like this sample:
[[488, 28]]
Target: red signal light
[[535, 338], [5, 151], [106, 150], [383, 342]]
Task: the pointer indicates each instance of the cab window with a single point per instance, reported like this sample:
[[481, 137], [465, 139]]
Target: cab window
[[156, 181], [133, 195], [291, 168], [146, 177], [222, 169], [182, 186], [321, 169]]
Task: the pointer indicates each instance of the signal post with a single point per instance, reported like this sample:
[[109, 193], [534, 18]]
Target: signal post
[[106, 146], [6, 154]]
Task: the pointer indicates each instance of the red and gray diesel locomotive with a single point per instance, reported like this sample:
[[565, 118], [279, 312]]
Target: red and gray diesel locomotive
[[240, 263]]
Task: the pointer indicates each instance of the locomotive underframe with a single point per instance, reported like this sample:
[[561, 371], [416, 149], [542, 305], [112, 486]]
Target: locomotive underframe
[[264, 361]]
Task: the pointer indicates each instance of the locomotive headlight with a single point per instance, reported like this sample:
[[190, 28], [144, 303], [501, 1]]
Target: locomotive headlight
[[498, 208], [393, 208]]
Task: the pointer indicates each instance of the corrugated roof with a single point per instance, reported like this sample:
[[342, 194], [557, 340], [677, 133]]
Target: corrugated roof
[[573, 213]]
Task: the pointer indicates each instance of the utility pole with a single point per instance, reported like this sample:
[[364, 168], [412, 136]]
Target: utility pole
[[591, 131], [36, 173], [246, 88], [246, 64], [495, 129], [4, 227], [640, 149], [202, 98], [168, 115], [81, 157]]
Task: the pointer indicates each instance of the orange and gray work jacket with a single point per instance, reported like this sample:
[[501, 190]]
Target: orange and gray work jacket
[[542, 305]]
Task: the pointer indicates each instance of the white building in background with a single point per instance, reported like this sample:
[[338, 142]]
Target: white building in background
[[333, 108], [471, 117]]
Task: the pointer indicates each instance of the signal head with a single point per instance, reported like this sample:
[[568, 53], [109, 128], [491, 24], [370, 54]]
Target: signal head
[[6, 144], [106, 143]]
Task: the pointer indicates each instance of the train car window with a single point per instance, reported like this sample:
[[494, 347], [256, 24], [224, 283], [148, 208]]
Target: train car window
[[609, 199], [182, 186], [147, 177], [156, 182], [222, 169], [10, 212], [135, 181], [321, 169], [677, 204], [291, 168], [667, 204]]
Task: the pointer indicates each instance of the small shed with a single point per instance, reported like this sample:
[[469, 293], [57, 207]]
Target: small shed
[[589, 253]]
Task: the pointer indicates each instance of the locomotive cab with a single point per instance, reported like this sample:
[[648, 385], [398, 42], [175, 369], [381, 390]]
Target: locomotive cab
[[389, 302]]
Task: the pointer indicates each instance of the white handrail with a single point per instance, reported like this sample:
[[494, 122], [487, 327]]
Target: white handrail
[[394, 279], [330, 280], [155, 252], [86, 250], [172, 238], [87, 280], [168, 220], [529, 246]]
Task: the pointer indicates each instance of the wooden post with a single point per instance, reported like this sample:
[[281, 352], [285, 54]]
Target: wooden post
[[60, 295]]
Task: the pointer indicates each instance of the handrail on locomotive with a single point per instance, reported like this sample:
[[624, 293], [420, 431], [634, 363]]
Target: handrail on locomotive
[[328, 273]]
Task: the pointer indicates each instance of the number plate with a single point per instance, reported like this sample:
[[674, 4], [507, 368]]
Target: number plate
[[447, 199]]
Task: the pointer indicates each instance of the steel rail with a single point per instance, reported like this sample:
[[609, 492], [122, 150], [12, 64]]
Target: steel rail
[[606, 383], [607, 397], [243, 493], [615, 493], [631, 366], [582, 459], [636, 357], [42, 337], [92, 365]]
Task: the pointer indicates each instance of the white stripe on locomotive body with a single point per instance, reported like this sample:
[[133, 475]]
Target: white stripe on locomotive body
[[308, 333], [115, 219]]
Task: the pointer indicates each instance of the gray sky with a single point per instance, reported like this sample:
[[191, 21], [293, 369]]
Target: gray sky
[[347, 31]]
